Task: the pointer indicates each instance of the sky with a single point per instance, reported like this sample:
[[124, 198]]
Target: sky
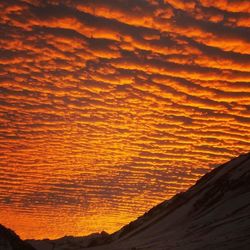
[[108, 107]]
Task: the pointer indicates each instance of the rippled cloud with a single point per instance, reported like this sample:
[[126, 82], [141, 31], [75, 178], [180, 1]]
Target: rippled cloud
[[110, 107]]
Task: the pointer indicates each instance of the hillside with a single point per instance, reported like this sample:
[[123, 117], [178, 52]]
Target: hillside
[[212, 214], [9, 240]]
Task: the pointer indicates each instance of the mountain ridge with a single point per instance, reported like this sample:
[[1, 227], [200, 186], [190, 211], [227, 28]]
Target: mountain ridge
[[179, 198], [9, 240]]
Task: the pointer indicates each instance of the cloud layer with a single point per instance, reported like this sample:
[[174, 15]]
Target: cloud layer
[[109, 107]]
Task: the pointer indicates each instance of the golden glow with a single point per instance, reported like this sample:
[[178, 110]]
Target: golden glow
[[110, 107]]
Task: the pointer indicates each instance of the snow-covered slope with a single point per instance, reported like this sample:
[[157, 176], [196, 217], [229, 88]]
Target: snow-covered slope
[[213, 214]]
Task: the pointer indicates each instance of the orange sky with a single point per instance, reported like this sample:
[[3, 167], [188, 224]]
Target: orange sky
[[110, 107]]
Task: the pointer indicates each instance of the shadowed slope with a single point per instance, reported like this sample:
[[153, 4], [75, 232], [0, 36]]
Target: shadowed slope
[[10, 241], [213, 214]]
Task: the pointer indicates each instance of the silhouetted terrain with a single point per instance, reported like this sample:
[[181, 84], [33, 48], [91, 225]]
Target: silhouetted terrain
[[10, 241]]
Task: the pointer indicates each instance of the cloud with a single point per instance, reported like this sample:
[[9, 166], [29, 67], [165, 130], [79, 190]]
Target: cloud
[[108, 108]]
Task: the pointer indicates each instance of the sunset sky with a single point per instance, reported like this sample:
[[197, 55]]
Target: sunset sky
[[108, 107]]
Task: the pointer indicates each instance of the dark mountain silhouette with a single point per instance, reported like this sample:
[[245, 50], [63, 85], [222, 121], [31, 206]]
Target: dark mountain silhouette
[[229, 181], [212, 214], [9, 240]]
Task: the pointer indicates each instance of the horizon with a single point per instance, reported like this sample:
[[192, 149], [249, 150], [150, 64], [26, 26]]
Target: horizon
[[108, 108]]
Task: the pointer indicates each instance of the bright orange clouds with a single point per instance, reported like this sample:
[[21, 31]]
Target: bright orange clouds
[[109, 107]]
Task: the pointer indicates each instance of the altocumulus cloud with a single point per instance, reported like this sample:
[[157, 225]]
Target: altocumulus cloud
[[109, 107]]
